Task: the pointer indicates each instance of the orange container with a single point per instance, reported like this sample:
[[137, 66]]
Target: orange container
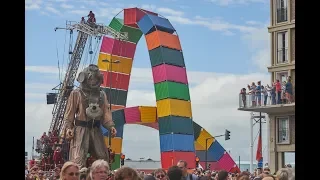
[[124, 66], [160, 38], [116, 144], [202, 139], [116, 107]]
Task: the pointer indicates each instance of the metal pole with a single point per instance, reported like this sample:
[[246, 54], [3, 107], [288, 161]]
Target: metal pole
[[110, 71], [260, 129], [251, 143], [239, 163], [206, 154], [32, 147], [268, 138]]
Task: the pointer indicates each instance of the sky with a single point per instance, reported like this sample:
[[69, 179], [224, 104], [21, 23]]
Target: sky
[[225, 46]]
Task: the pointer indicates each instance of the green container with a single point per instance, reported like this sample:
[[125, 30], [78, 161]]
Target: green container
[[163, 55], [116, 24], [173, 90], [175, 125], [134, 34], [116, 163]]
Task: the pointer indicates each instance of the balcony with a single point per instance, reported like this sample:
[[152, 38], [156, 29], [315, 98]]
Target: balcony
[[282, 15], [268, 105]]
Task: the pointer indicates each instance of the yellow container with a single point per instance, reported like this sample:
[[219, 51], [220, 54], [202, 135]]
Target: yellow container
[[116, 144], [202, 139], [124, 66], [148, 114], [167, 107], [198, 146]]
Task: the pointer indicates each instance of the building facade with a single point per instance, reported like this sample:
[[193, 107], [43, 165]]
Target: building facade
[[281, 116]]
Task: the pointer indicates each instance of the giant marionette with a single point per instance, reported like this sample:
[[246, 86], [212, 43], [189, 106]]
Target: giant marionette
[[86, 110]]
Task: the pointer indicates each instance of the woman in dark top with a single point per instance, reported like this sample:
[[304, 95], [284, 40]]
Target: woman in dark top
[[289, 91]]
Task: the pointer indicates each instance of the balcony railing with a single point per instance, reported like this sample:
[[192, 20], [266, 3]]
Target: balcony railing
[[282, 15], [282, 55], [252, 100]]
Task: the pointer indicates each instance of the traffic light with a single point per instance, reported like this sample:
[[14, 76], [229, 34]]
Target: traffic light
[[227, 135], [197, 162], [122, 157]]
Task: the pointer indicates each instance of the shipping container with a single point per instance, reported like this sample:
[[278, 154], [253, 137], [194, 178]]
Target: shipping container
[[132, 115], [118, 117], [169, 159], [152, 125], [116, 163], [226, 162], [198, 147], [116, 107], [124, 49], [116, 80], [214, 166], [124, 65], [202, 155], [116, 24], [176, 142], [166, 72], [172, 90], [174, 107], [150, 23], [202, 138], [134, 34], [133, 15], [196, 130], [175, 125], [119, 131], [148, 114], [116, 144], [117, 97], [107, 45], [163, 55], [160, 38], [216, 150]]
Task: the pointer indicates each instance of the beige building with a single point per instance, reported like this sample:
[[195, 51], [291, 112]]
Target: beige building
[[281, 116]]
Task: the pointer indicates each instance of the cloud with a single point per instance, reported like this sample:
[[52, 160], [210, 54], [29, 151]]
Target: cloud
[[214, 98], [231, 2], [66, 6], [53, 10], [32, 4], [169, 11]]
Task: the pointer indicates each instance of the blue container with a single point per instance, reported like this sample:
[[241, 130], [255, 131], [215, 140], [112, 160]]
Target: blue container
[[201, 154], [176, 142], [150, 23], [216, 150], [119, 131]]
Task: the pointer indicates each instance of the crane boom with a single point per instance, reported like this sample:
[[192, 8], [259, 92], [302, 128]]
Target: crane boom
[[85, 30]]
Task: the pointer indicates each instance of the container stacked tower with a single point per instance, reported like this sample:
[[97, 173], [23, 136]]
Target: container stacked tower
[[180, 137]]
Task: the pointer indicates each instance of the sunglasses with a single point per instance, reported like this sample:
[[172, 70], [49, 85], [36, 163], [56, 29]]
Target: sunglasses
[[160, 176], [74, 174]]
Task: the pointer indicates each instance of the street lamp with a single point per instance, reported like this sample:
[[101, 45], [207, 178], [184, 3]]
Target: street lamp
[[207, 151], [110, 103]]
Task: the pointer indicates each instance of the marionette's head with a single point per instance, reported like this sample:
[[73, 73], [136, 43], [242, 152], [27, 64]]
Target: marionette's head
[[90, 77]]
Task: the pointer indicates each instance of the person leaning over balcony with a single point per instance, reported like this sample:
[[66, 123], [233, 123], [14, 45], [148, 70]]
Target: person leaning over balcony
[[252, 89], [243, 94], [278, 91], [258, 93], [264, 91], [288, 91]]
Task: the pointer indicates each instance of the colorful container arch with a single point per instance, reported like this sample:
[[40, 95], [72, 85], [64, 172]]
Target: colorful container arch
[[180, 137]]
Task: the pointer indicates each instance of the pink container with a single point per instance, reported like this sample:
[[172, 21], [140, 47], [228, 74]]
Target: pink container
[[107, 45], [170, 73], [226, 162], [132, 115], [124, 49]]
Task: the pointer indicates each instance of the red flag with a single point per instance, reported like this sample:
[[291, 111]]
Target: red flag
[[259, 148]]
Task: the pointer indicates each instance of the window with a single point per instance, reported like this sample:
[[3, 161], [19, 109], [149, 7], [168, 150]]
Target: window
[[282, 11], [282, 47], [283, 130], [282, 76]]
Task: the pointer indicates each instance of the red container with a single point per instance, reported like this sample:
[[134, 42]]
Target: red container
[[169, 159], [213, 166], [226, 162], [118, 48], [107, 45], [132, 115], [117, 80], [170, 73], [133, 15]]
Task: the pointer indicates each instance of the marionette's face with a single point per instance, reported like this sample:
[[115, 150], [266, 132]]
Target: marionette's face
[[91, 77]]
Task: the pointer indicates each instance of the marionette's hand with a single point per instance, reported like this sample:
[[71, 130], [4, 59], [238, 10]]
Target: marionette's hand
[[113, 132], [69, 134]]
